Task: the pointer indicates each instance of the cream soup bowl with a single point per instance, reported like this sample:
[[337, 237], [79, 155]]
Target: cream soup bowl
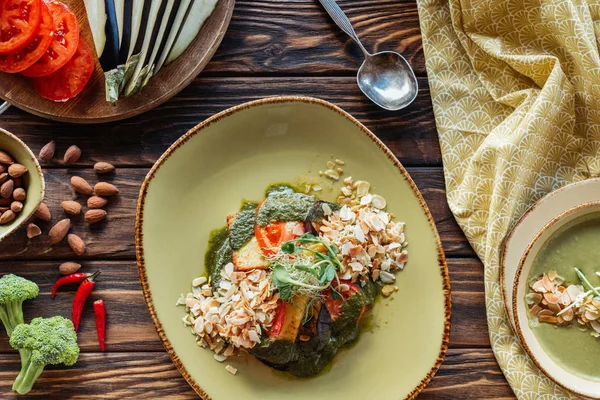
[[560, 375]]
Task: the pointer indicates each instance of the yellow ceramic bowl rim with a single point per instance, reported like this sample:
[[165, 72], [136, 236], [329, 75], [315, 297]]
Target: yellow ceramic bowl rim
[[518, 280], [278, 100], [38, 170]]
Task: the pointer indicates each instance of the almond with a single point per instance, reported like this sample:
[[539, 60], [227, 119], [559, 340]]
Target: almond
[[5, 158], [3, 177], [33, 230], [3, 169], [71, 207], [72, 155], [105, 189], [103, 167], [16, 170], [93, 216], [59, 231], [76, 243], [47, 152], [7, 217], [43, 213], [96, 202], [19, 194], [81, 185], [6, 190], [16, 206], [5, 202], [68, 268]]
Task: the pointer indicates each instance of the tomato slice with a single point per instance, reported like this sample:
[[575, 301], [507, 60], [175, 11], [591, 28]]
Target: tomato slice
[[271, 236], [64, 45], [20, 60], [70, 80], [19, 22], [334, 306], [278, 320]]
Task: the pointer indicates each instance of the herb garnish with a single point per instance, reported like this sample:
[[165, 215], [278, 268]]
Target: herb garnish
[[585, 282], [296, 273]]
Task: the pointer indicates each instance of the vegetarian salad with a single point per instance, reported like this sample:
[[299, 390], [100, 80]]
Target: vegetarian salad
[[289, 279]]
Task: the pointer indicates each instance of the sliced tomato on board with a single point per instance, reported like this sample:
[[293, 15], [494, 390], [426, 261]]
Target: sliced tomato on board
[[70, 80], [19, 22], [64, 45], [278, 320], [334, 306], [20, 60], [271, 236]]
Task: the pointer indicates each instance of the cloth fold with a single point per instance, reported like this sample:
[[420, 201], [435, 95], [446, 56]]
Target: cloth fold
[[515, 86]]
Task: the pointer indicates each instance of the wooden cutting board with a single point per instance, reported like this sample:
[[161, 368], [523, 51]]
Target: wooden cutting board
[[90, 105]]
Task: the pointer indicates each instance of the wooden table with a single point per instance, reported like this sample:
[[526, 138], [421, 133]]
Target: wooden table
[[272, 48]]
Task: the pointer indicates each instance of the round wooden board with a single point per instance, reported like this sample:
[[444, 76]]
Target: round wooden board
[[91, 107]]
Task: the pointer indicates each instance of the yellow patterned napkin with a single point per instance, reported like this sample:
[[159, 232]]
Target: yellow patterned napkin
[[516, 94]]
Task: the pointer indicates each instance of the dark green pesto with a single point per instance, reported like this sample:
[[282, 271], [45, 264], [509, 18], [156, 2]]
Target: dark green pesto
[[283, 203], [219, 254], [306, 359], [316, 212], [242, 228]]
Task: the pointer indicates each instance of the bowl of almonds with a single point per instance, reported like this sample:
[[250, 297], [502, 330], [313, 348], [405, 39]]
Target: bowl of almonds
[[21, 183]]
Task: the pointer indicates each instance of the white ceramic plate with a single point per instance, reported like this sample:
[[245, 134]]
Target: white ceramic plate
[[532, 222], [553, 370]]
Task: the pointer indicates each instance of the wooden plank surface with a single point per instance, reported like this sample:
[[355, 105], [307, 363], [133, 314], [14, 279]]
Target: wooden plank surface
[[139, 141], [271, 48], [466, 374], [265, 38]]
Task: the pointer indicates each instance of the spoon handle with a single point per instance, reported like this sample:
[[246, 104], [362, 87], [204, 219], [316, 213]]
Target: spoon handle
[[4, 106], [341, 20]]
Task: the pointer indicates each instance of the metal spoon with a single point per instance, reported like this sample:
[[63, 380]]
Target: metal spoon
[[386, 78], [4, 106]]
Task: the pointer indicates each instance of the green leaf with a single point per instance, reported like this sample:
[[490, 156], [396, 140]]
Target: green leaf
[[335, 295], [288, 247], [308, 237], [330, 273], [332, 251]]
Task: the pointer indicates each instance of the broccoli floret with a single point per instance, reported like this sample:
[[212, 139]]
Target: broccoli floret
[[44, 341], [14, 290]]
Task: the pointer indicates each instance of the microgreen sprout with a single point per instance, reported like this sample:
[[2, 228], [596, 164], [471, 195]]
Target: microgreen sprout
[[585, 282], [295, 272], [295, 246]]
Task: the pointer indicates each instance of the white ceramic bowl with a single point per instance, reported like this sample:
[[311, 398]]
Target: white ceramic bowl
[[561, 376], [526, 229]]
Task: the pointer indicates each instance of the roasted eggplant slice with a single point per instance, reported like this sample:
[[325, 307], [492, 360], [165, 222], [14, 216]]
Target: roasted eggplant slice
[[199, 12]]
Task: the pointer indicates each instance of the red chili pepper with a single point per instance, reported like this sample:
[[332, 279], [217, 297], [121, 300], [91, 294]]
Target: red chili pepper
[[65, 280], [100, 313], [81, 296]]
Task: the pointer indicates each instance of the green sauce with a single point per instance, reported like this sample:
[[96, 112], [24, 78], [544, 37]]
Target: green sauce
[[300, 358], [219, 254], [306, 359], [242, 228], [283, 203], [575, 245]]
